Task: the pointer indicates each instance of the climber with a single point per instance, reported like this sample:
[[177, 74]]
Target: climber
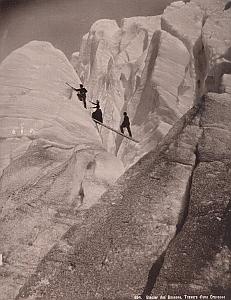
[[97, 114], [97, 105], [126, 124], [82, 94]]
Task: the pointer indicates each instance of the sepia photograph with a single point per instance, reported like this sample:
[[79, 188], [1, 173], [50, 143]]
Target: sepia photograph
[[115, 149]]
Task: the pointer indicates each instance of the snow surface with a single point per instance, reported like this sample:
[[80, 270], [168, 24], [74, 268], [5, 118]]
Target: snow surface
[[52, 160]]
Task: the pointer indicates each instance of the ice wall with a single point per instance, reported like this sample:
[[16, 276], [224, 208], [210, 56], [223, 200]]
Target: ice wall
[[51, 157]]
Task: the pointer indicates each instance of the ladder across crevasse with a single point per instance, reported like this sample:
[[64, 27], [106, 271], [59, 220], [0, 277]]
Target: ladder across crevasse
[[106, 126], [116, 131]]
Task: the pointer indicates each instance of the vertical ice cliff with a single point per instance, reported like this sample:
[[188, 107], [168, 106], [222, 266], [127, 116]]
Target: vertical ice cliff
[[165, 93], [148, 67], [110, 63], [164, 227], [51, 158]]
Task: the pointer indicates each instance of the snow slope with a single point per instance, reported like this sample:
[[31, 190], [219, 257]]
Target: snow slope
[[51, 157]]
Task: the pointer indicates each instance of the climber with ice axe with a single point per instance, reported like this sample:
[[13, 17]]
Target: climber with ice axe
[[81, 93]]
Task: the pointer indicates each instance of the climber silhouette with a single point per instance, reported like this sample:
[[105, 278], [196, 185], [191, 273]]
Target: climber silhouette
[[126, 124], [82, 94], [97, 114]]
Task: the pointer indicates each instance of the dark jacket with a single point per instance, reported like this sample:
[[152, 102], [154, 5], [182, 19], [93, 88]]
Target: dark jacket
[[82, 91], [126, 121]]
